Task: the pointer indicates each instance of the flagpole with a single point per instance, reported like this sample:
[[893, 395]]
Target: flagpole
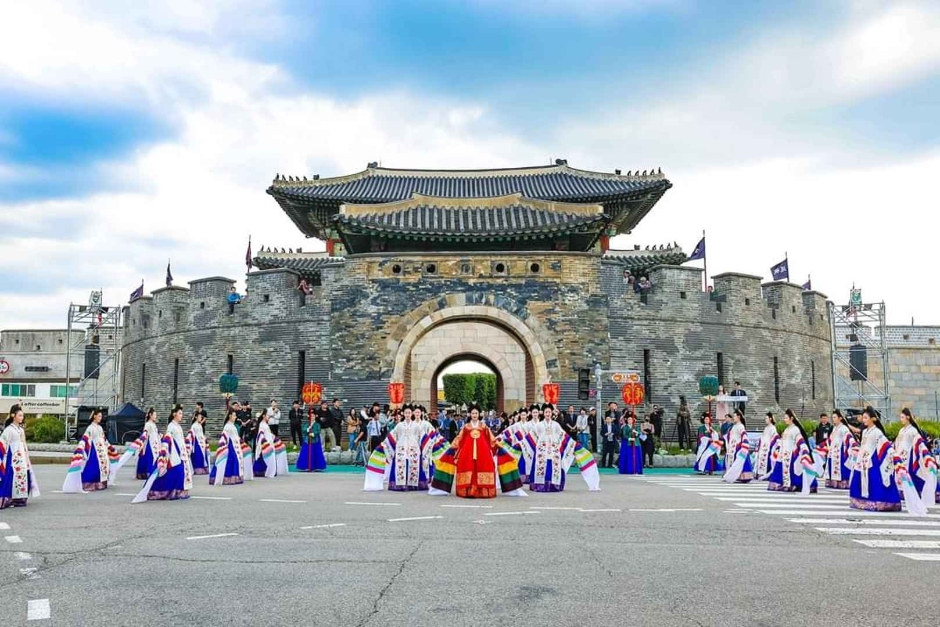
[[705, 259]]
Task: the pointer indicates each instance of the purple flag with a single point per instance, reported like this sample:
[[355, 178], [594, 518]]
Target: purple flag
[[781, 271], [699, 252], [808, 286], [138, 293]]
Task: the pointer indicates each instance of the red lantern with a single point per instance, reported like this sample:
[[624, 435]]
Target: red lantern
[[311, 393], [396, 393], [633, 394], [551, 392]]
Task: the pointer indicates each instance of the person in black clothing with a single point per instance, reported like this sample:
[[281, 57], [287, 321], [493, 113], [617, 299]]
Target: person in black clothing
[[684, 424], [823, 430], [325, 418], [336, 411], [592, 428], [609, 439], [295, 417], [737, 391], [656, 418], [614, 412]]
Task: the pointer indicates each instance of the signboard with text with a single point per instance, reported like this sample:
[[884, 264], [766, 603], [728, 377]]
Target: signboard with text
[[621, 378], [5, 367]]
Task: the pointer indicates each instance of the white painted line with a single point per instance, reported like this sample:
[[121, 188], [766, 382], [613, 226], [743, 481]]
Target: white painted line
[[279, 501], [482, 522], [771, 504], [921, 557], [849, 512], [844, 502], [213, 498], [571, 509], [847, 521], [22, 556], [215, 535], [900, 544], [30, 573], [4, 526], [510, 513], [738, 511], [325, 526], [38, 609], [57, 492], [363, 503], [599, 510], [469, 506], [415, 518], [13, 539], [124, 494], [843, 531], [666, 510]]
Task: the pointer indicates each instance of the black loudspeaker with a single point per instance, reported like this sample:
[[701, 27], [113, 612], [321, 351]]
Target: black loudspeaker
[[92, 361], [858, 360]]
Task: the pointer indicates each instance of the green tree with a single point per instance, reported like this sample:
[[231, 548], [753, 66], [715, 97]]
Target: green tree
[[479, 387]]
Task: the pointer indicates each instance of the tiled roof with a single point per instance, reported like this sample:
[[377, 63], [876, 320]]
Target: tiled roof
[[645, 259], [558, 182], [306, 264], [471, 222]]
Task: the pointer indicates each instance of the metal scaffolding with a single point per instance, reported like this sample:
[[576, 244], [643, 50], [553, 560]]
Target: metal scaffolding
[[859, 355], [99, 336]]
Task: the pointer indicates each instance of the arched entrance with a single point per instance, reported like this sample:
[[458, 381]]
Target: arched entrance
[[500, 391]]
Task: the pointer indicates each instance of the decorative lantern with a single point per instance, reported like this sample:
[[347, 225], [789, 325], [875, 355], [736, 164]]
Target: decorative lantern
[[708, 387], [396, 393], [311, 393], [551, 392], [633, 394]]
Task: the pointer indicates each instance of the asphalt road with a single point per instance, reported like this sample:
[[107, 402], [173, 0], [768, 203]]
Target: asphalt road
[[315, 550]]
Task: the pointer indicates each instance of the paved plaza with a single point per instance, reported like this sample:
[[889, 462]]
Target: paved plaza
[[664, 549]]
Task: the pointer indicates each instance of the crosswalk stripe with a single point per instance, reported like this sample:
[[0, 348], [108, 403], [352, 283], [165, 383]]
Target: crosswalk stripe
[[899, 544], [921, 557], [778, 500], [848, 512], [846, 521], [770, 504], [845, 531]]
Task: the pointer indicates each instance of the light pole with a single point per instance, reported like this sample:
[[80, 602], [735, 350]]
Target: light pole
[[599, 381]]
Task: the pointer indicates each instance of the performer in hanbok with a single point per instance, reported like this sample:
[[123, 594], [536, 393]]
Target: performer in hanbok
[[911, 446], [270, 452], [402, 462], [198, 446], [768, 445], [515, 437], [631, 448], [552, 452], [709, 447], [793, 469], [872, 484], [476, 456], [145, 448], [17, 481], [311, 458], [171, 478], [738, 461], [91, 461], [230, 466], [841, 444]]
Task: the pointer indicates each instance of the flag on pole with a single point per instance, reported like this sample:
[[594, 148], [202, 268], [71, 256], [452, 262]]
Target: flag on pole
[[169, 275], [699, 252], [781, 271], [138, 293], [248, 255], [808, 286]]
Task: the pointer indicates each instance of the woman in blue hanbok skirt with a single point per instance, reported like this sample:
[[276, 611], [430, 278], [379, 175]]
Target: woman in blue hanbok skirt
[[794, 469], [229, 464], [198, 445], [841, 444], [311, 458], [90, 468], [707, 457], [631, 448], [171, 478], [17, 481], [872, 486], [149, 446], [769, 440], [738, 462], [921, 467], [270, 453]]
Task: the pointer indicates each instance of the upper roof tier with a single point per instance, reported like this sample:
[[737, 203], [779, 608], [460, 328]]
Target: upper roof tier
[[312, 203]]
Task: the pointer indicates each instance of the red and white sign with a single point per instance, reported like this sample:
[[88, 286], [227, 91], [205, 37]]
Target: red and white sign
[[5, 367], [625, 377]]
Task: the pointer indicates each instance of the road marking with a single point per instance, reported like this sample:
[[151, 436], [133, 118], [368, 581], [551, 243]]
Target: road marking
[[848, 521], [511, 513], [325, 526], [666, 510], [213, 498], [844, 502], [13, 539], [849, 512], [415, 518], [900, 544], [738, 511], [58, 492], [921, 557], [843, 531], [364, 503], [769, 504], [482, 522], [30, 573], [124, 494], [608, 510], [215, 535], [573, 509], [38, 609], [22, 556], [4, 526], [279, 501], [468, 506]]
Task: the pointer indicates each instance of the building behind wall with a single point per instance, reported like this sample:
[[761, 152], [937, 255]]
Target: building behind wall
[[34, 376]]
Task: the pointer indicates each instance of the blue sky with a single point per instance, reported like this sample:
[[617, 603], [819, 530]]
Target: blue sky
[[135, 133]]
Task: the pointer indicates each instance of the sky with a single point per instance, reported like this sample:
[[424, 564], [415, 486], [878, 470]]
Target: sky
[[133, 134]]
